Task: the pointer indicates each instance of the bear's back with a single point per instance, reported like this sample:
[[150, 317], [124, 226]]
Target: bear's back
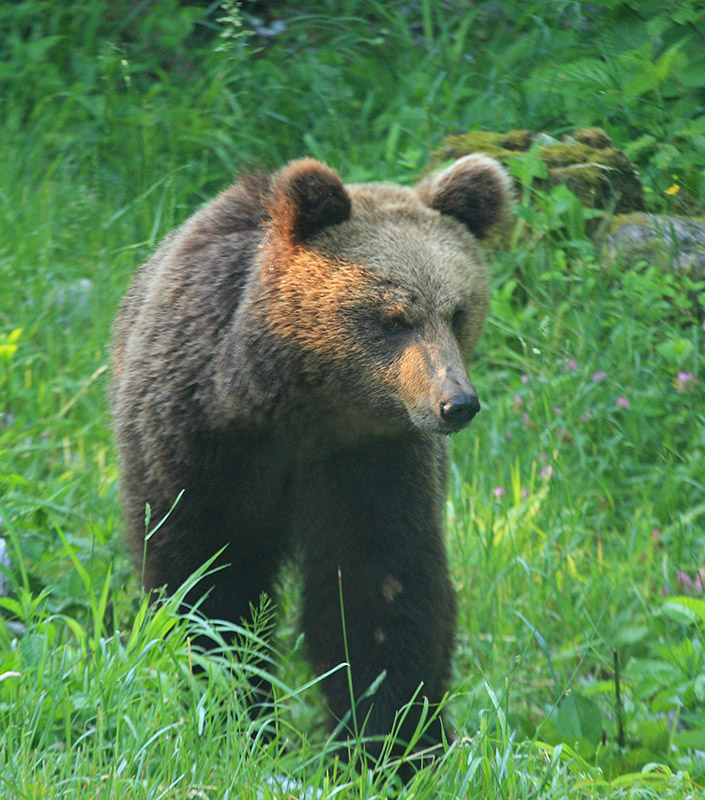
[[194, 281]]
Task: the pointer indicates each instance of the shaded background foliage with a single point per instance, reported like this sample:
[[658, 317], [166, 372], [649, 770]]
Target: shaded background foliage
[[108, 68]]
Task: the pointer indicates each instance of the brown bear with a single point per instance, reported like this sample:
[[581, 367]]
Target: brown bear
[[291, 358]]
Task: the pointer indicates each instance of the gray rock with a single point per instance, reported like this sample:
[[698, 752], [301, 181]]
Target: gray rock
[[677, 243], [73, 301], [4, 566], [12, 625]]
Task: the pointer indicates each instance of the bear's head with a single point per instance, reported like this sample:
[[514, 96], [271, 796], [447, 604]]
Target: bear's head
[[382, 289]]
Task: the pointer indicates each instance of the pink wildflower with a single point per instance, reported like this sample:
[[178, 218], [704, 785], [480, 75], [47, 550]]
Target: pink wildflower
[[499, 492], [571, 365], [685, 382], [557, 410], [598, 376], [623, 402], [547, 472], [691, 586], [524, 379]]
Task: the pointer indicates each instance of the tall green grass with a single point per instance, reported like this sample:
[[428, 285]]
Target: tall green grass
[[576, 511]]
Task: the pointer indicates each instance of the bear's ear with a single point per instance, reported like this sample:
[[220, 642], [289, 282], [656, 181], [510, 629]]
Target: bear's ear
[[476, 190], [305, 197]]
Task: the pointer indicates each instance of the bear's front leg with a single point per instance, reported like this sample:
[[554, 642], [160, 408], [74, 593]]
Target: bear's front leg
[[377, 591]]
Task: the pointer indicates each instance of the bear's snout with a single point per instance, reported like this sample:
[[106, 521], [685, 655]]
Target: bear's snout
[[459, 409]]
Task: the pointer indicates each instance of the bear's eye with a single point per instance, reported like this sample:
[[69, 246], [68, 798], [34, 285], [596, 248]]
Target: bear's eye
[[458, 320], [395, 322]]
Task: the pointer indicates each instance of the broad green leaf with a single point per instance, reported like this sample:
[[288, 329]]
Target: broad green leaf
[[579, 718]]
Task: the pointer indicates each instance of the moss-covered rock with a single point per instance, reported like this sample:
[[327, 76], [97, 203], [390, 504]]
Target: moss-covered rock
[[587, 162]]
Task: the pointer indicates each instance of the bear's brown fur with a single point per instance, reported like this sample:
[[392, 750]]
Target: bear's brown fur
[[288, 358]]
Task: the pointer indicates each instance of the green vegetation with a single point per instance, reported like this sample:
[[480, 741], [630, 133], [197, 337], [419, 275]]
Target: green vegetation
[[576, 512]]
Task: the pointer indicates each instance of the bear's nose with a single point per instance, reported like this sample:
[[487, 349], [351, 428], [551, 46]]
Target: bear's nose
[[460, 409]]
